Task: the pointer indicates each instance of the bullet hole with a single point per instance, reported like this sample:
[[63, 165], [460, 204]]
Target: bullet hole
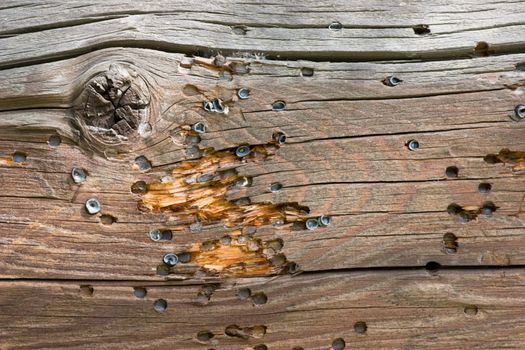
[[140, 292], [452, 171], [241, 182], [259, 298], [432, 266], [421, 29], [54, 141], [491, 159], [360, 327], [204, 295], [278, 260], [454, 209], [276, 244], [450, 243], [488, 208], [391, 81], [170, 259], [481, 49], [257, 331], [225, 240], [279, 138], [311, 224], [199, 128], [307, 72], [260, 347], [335, 26], [166, 235], [275, 187], [235, 331], [139, 187], [78, 175], [239, 30], [338, 344], [208, 246], [184, 257], [484, 187], [107, 219], [93, 206], [292, 268], [242, 151], [278, 106], [163, 270], [160, 305], [244, 293], [143, 163], [204, 336], [412, 145], [519, 113], [470, 310], [520, 66], [243, 93], [19, 157], [86, 290]]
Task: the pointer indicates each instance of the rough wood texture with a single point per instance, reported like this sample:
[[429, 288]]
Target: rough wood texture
[[115, 89], [472, 309]]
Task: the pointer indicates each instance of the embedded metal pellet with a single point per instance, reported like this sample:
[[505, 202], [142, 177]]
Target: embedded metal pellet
[[519, 111], [170, 259], [279, 138], [312, 224], [412, 145], [78, 175], [392, 81], [242, 151], [324, 220], [155, 235], [199, 127], [243, 93], [93, 206]]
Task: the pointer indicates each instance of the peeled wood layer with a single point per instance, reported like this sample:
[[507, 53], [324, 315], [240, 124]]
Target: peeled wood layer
[[479, 309]]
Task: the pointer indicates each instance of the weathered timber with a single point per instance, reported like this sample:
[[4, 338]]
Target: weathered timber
[[472, 309], [262, 175]]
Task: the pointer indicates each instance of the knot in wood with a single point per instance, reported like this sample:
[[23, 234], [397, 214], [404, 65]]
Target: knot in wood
[[114, 106]]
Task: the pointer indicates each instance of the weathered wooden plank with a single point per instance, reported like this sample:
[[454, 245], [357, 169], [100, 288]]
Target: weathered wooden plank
[[475, 309], [345, 156], [371, 30]]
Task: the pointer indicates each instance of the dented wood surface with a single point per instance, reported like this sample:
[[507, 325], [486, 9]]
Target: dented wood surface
[[223, 135]]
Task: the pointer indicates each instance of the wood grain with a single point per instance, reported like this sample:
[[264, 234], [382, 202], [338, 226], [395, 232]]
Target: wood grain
[[417, 254], [293, 30], [401, 309], [344, 157]]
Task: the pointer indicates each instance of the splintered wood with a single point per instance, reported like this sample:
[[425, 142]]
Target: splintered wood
[[198, 190], [195, 196]]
